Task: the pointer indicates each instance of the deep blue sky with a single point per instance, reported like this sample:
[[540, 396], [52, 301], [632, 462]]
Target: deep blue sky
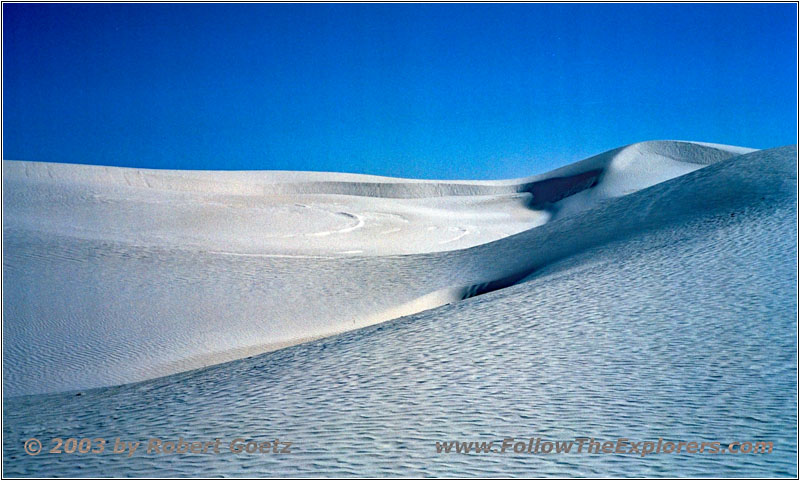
[[436, 91]]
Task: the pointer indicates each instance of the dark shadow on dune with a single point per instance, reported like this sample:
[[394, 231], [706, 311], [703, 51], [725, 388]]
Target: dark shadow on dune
[[552, 190], [544, 191], [495, 285]]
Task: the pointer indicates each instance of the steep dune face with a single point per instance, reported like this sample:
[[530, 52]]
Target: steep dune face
[[119, 275], [638, 166]]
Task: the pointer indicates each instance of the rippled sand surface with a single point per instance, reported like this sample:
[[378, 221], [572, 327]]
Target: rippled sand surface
[[681, 325]]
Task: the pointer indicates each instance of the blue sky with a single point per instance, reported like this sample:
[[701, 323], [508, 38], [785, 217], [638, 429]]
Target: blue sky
[[429, 91]]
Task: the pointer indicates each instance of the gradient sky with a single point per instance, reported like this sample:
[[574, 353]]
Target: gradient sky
[[430, 91]]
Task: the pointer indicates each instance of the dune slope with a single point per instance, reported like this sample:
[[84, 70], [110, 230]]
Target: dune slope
[[674, 318], [120, 275]]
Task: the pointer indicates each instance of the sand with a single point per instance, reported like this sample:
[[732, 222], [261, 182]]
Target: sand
[[115, 275]]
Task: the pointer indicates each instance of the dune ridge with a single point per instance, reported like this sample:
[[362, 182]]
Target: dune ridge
[[301, 182], [237, 263]]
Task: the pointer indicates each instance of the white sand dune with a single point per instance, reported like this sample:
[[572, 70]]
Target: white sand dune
[[116, 275]]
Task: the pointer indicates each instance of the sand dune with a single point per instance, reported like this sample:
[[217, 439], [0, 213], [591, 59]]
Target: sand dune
[[116, 275]]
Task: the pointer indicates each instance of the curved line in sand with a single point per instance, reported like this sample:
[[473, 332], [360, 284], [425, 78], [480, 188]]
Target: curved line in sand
[[359, 224], [464, 231]]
